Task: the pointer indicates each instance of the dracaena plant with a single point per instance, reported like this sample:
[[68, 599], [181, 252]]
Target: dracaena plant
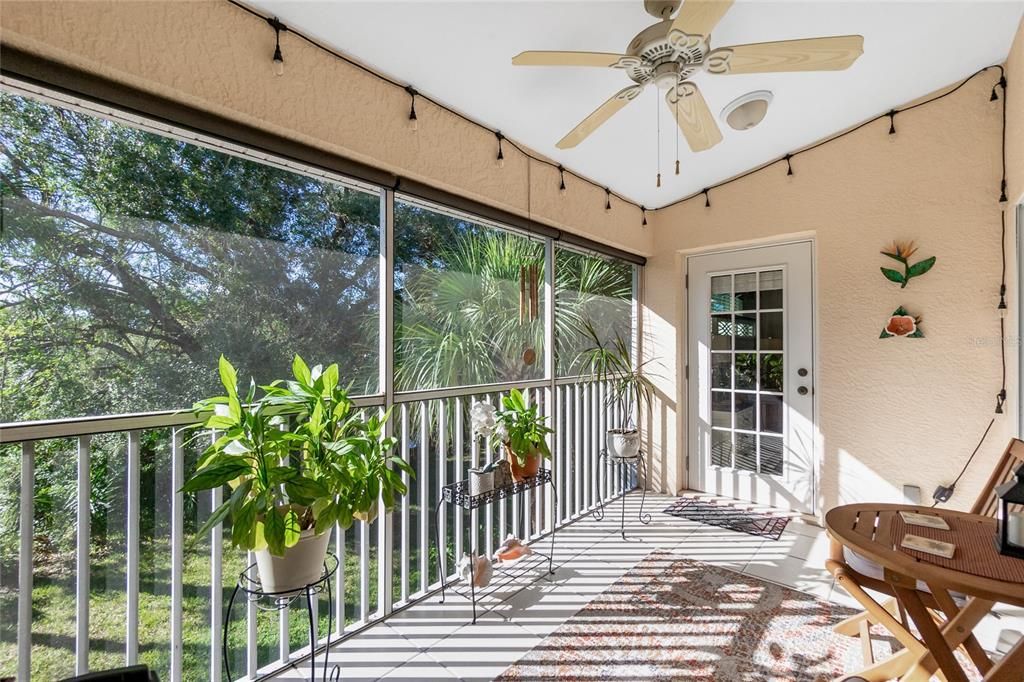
[[299, 457], [612, 362]]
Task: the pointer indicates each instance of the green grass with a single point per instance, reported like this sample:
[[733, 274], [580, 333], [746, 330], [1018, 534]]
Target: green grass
[[53, 617]]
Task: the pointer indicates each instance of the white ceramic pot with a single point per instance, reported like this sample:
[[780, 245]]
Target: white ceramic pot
[[623, 443], [301, 564], [480, 482]]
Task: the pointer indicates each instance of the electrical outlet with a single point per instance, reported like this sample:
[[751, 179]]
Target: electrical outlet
[[942, 493]]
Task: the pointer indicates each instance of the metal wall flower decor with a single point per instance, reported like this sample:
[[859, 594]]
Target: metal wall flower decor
[[902, 251], [901, 323]]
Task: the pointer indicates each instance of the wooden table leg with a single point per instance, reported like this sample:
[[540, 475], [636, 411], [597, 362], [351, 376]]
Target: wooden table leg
[[971, 644], [938, 647], [941, 643]]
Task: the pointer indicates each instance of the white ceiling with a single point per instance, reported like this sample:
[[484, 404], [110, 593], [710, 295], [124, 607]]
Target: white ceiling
[[460, 54]]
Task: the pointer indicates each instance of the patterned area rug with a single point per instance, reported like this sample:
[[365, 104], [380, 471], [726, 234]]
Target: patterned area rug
[[671, 618], [728, 516]]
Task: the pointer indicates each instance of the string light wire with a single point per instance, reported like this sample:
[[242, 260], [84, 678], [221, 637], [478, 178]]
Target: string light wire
[[362, 67]]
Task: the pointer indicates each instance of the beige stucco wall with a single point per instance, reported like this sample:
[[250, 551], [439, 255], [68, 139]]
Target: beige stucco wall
[[893, 411], [215, 56]]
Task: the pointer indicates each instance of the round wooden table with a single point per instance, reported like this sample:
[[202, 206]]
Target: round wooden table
[[963, 588]]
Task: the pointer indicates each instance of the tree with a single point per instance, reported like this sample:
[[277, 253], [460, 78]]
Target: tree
[[129, 261]]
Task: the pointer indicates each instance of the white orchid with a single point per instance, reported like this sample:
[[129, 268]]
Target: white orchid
[[483, 419]]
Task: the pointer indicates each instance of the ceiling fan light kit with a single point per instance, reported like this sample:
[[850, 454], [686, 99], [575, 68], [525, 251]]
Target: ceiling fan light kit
[[670, 52], [746, 111]]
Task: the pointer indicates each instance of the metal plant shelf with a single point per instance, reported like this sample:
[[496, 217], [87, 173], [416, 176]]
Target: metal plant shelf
[[505, 573], [458, 493]]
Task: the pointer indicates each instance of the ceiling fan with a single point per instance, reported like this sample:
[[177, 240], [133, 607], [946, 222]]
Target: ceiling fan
[[671, 51]]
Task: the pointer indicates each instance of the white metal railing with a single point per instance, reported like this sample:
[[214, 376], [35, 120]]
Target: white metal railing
[[383, 566]]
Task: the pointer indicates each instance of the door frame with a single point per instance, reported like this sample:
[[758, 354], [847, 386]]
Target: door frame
[[817, 446]]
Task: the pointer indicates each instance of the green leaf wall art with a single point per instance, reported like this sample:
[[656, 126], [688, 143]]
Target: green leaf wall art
[[902, 251]]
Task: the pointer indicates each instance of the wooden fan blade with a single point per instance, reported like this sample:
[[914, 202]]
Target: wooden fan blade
[[600, 115], [810, 54], [693, 116], [556, 58], [699, 17]]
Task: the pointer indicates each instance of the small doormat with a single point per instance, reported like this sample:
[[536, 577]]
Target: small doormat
[[727, 516]]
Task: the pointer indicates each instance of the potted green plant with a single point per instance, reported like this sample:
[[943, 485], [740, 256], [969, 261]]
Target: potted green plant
[[298, 460], [631, 390], [520, 430]]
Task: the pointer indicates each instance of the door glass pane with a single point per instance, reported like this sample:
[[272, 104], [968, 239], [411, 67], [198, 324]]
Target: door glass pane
[[746, 332], [721, 332], [748, 383], [770, 283], [771, 455], [746, 451], [721, 409], [721, 370], [771, 413], [771, 372], [721, 448], [745, 407], [771, 331], [746, 291], [746, 371], [721, 294]]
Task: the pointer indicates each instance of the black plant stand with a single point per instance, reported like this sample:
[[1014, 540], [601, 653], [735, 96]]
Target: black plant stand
[[249, 583], [641, 471], [458, 494]]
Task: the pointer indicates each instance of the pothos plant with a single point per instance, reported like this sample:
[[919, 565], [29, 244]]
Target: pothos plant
[[518, 426], [300, 457]]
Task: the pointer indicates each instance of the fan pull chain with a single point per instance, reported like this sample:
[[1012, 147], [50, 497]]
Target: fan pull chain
[[677, 131], [657, 115]]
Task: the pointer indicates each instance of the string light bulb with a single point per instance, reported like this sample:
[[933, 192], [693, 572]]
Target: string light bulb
[[413, 121], [561, 180], [278, 57], [607, 200], [677, 166], [501, 152], [789, 165], [643, 212], [1000, 399], [1001, 83], [1002, 192], [707, 198], [892, 123], [1002, 308], [658, 183]]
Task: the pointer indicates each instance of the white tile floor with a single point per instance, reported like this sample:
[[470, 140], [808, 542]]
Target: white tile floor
[[433, 641]]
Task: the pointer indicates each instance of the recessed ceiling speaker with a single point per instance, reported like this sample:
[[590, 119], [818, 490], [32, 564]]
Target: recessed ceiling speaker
[[746, 111]]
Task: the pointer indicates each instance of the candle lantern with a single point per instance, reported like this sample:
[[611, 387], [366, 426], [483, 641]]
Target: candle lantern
[[1010, 533]]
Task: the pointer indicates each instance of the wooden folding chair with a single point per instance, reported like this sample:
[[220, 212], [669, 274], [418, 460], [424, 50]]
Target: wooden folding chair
[[853, 575]]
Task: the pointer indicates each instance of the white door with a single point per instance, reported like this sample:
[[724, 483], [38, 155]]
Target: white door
[[751, 375]]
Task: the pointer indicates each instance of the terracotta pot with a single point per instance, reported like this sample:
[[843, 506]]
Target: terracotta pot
[[301, 564], [527, 470]]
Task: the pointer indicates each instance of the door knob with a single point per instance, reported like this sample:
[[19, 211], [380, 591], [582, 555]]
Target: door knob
[[802, 390], [802, 372]]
